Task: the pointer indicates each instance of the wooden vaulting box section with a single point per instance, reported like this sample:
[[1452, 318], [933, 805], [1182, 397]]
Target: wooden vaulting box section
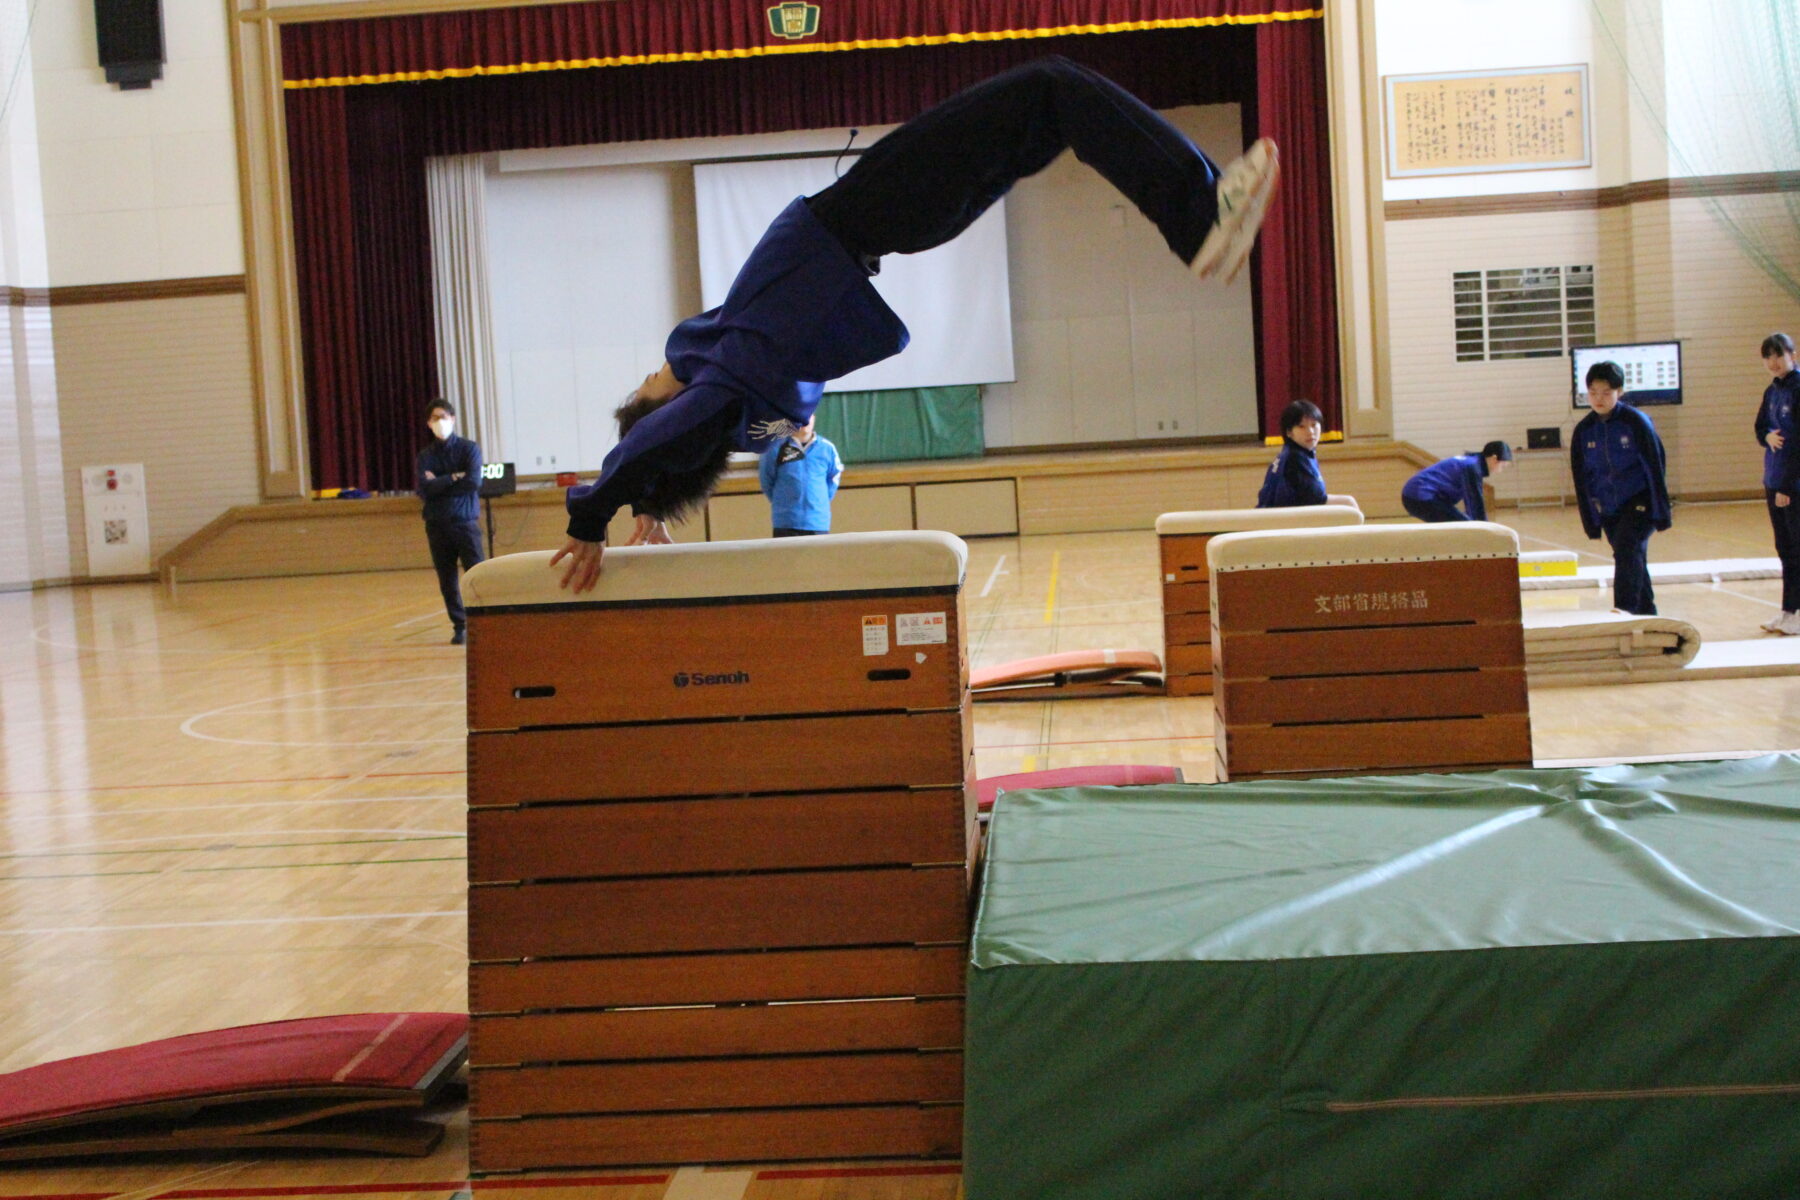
[[710, 802], [1181, 539], [1346, 651]]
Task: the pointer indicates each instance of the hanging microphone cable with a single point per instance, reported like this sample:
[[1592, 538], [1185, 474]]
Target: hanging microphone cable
[[841, 153]]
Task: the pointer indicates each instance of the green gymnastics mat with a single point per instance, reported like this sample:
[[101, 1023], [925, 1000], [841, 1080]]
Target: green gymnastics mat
[[1534, 984]]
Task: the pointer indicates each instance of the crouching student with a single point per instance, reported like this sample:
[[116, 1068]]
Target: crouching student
[[1294, 479], [1433, 494], [1618, 464], [800, 476]]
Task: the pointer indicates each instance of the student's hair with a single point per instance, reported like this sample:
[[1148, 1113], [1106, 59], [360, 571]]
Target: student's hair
[[1777, 344], [675, 494], [1610, 372], [1298, 411], [437, 404], [1499, 450]]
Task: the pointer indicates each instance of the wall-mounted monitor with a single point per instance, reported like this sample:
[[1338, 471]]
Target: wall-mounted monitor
[[1652, 371]]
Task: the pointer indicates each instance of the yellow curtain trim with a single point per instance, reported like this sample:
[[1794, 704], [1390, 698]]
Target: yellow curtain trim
[[636, 60], [1330, 435]]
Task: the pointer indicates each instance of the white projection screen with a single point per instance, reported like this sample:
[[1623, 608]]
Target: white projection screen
[[954, 299]]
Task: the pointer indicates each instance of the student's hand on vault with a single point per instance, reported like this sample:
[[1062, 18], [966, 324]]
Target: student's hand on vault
[[649, 532], [584, 563]]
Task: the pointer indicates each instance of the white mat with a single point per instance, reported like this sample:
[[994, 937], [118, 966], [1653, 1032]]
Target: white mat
[[1751, 658], [1605, 647], [1711, 570]]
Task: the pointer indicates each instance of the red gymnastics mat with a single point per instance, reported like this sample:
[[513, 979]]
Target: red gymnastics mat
[[1106, 776], [355, 1082], [1078, 674]]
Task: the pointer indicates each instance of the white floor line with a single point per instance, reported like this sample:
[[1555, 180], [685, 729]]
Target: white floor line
[[1719, 587], [407, 916], [98, 814], [415, 620], [994, 574], [697, 1183]]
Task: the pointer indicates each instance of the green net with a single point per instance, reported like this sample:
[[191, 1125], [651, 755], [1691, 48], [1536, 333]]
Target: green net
[[1716, 80]]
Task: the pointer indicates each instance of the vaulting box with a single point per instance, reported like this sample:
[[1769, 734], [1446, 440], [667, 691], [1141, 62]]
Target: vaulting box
[[725, 790], [1557, 984], [1186, 590], [1338, 651]]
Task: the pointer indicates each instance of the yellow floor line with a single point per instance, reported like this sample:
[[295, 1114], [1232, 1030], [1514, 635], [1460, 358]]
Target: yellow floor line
[[312, 634], [1050, 595]]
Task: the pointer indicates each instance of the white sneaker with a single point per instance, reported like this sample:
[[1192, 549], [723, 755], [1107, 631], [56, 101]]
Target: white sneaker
[[1774, 624], [1790, 624], [1243, 192]]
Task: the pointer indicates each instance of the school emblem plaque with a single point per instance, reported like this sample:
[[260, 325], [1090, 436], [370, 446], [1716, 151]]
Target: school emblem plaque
[[794, 19]]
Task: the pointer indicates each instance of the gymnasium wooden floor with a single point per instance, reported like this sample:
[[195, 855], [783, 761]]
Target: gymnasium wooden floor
[[245, 803]]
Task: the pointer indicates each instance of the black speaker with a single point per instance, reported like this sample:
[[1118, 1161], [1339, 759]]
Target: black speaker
[[131, 41]]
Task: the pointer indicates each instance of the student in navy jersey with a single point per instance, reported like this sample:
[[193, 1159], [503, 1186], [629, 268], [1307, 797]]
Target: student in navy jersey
[[1618, 464], [1432, 495], [802, 311], [1294, 479], [448, 480], [1776, 424]]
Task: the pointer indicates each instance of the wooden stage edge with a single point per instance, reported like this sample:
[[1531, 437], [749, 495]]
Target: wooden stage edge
[[998, 495]]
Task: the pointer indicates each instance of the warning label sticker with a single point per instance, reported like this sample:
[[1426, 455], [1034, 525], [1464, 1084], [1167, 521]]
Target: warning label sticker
[[920, 629], [875, 634]]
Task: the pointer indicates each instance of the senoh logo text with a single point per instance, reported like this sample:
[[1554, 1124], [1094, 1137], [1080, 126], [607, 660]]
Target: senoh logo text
[[703, 679]]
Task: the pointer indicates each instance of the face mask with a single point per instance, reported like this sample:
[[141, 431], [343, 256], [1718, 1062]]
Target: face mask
[[442, 427]]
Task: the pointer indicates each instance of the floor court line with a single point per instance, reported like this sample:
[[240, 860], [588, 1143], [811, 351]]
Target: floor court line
[[1185, 737], [1719, 587], [151, 787], [247, 804], [454, 1185], [160, 1189], [856, 1172], [233, 922], [698, 1183], [994, 574], [354, 1189], [313, 635], [187, 726], [354, 862], [139, 846]]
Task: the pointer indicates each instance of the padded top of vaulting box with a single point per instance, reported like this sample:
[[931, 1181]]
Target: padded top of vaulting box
[[832, 563], [1272, 869], [1233, 520], [1273, 549]]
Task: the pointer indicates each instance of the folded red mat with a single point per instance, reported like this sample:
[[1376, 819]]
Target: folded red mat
[[1105, 776], [294, 1083]]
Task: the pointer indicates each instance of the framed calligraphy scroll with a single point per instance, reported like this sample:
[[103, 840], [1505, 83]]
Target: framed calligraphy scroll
[[1470, 122]]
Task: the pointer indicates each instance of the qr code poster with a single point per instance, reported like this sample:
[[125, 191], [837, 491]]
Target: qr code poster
[[117, 532]]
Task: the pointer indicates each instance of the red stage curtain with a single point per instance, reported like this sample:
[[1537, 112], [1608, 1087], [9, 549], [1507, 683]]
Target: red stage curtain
[[362, 234], [637, 32], [1296, 273], [362, 251], [325, 268]]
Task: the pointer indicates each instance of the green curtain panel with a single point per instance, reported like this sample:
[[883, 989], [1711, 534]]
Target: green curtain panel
[[904, 423]]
